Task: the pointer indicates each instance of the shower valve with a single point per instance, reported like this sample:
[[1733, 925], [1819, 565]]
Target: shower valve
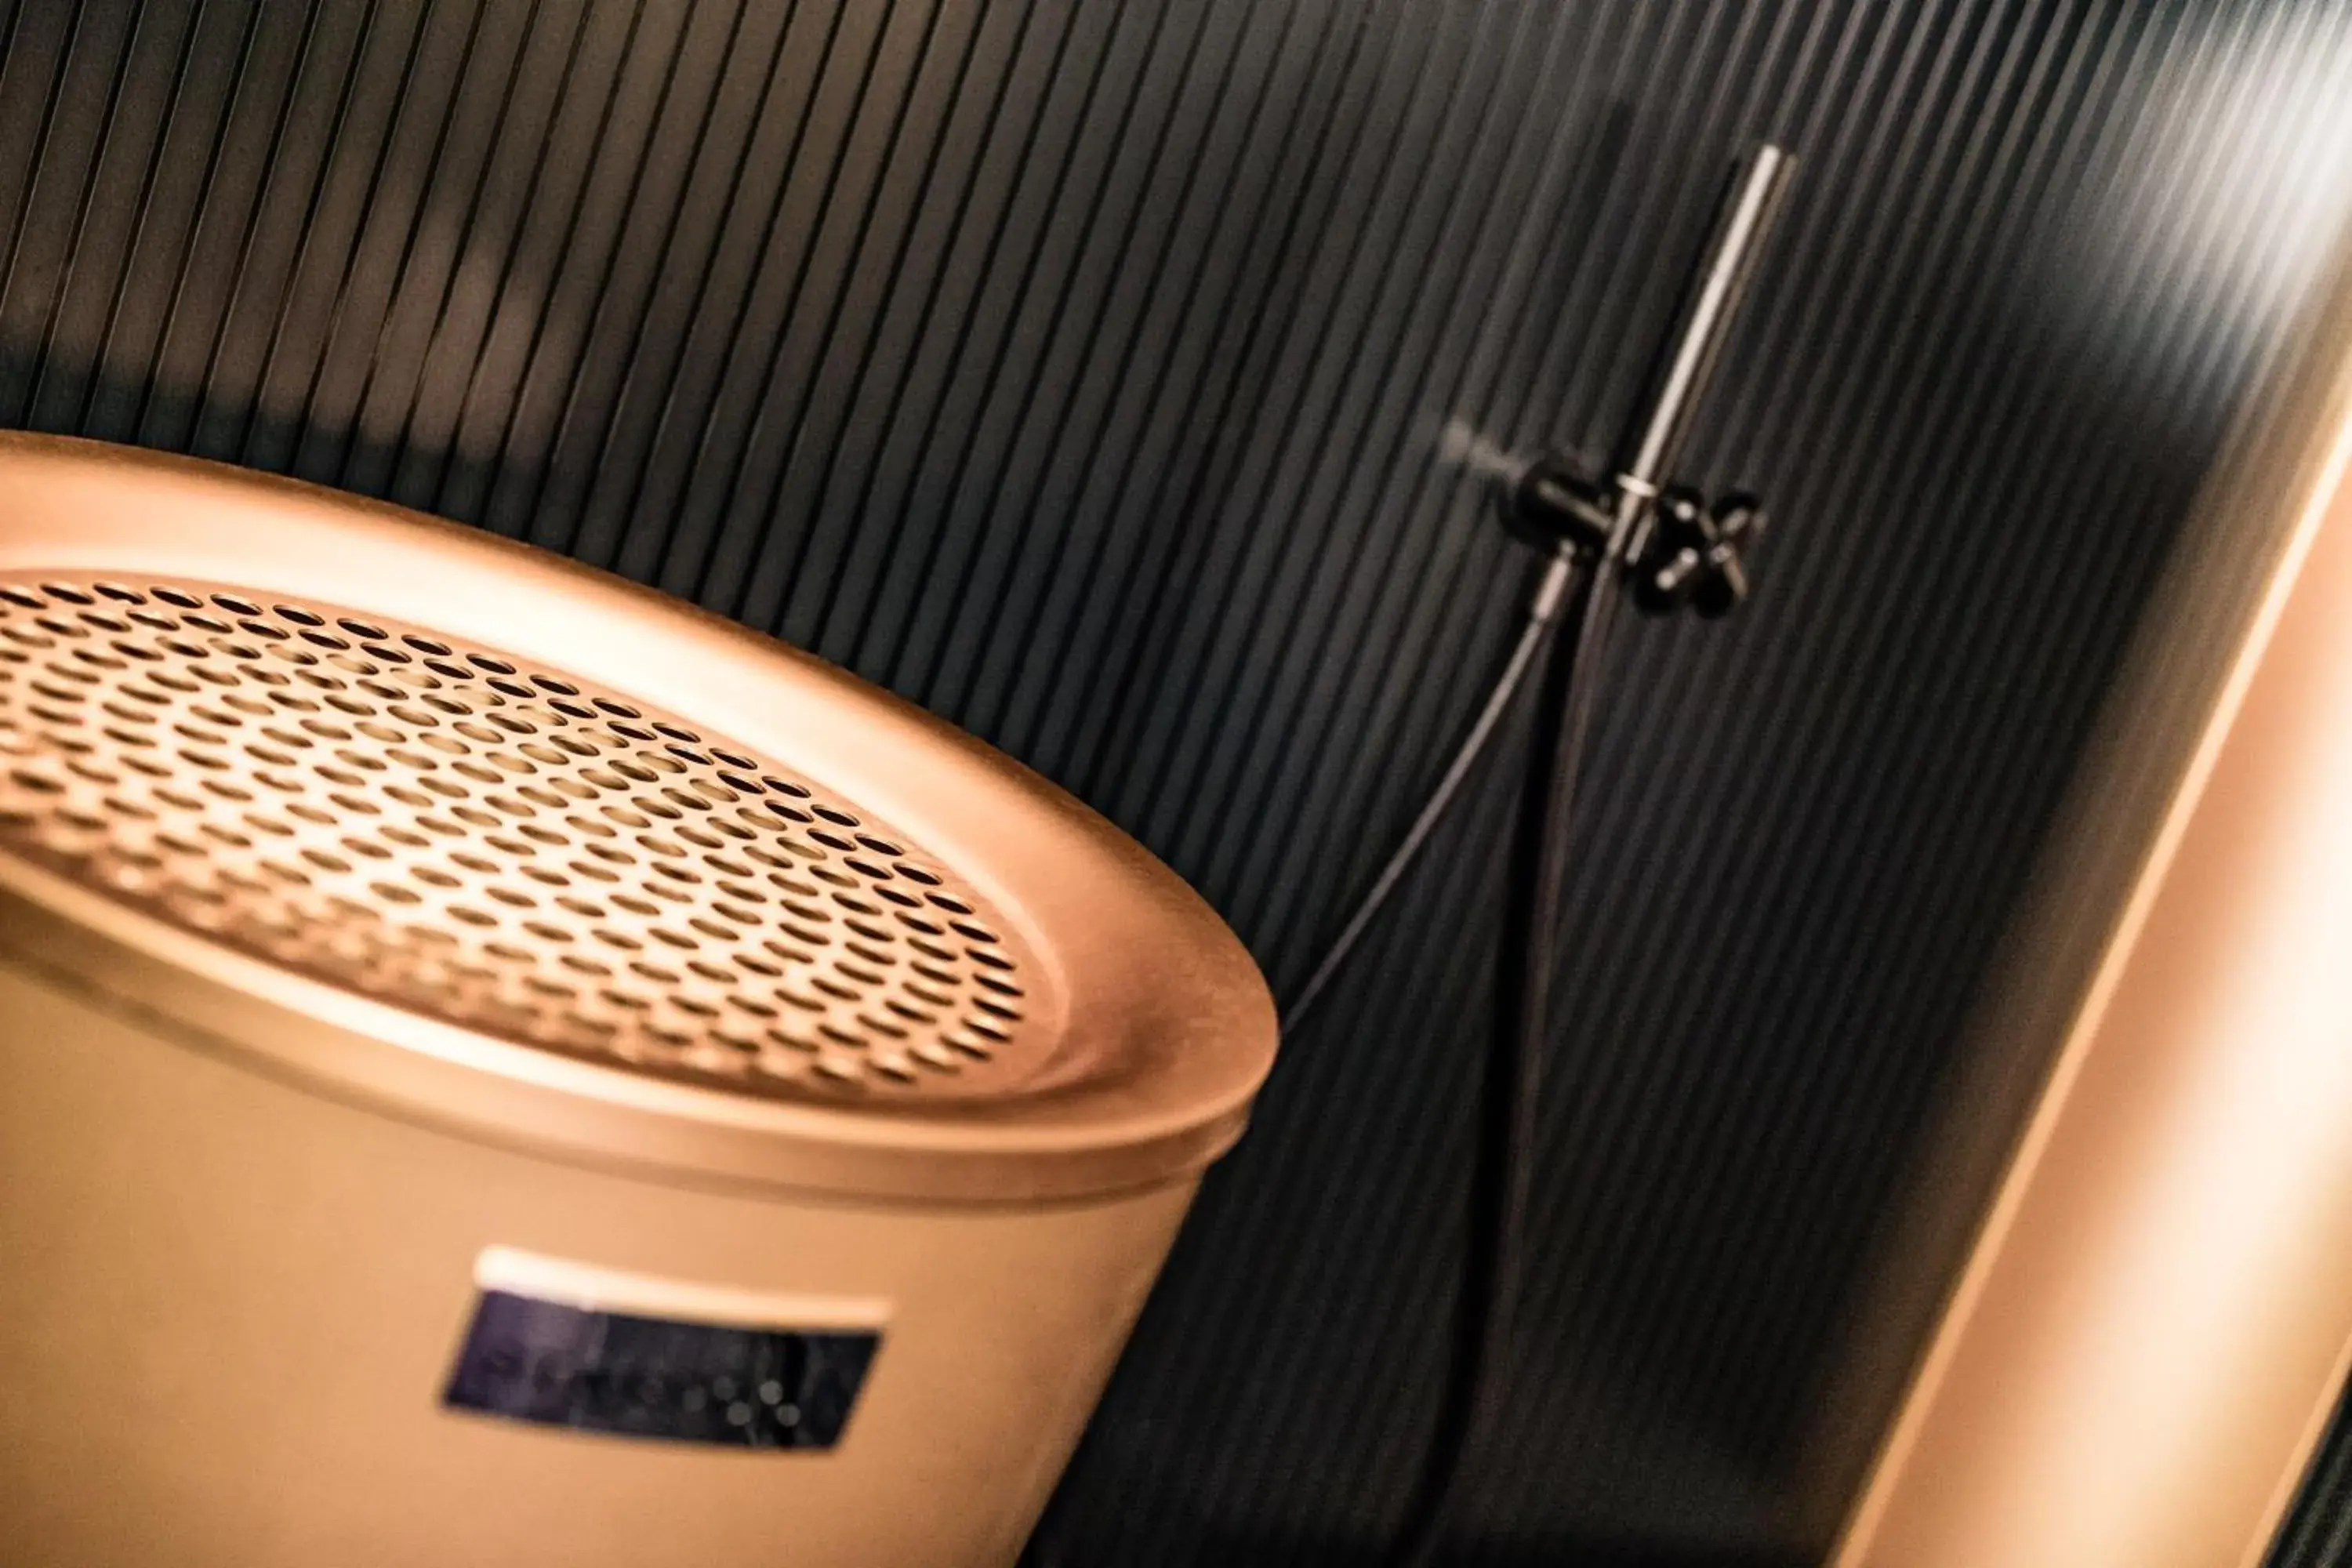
[[1559, 505], [1680, 550]]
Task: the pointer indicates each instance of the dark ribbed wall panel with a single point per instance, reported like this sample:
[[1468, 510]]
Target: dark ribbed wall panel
[[1107, 377], [2317, 1532]]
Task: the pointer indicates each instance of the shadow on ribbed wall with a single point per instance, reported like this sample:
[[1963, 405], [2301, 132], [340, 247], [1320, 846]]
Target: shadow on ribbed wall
[[879, 326]]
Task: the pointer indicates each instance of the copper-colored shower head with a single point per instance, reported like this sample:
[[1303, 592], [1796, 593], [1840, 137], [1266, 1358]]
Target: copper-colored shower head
[[487, 1052], [492, 844], [332, 764]]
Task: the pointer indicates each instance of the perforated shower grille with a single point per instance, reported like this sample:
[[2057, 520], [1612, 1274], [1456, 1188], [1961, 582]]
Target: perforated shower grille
[[497, 845]]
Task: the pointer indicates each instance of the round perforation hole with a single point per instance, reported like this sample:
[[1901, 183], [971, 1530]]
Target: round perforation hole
[[447, 828]]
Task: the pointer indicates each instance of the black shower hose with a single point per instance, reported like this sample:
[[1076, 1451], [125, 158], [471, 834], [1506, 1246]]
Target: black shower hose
[[1569, 619]]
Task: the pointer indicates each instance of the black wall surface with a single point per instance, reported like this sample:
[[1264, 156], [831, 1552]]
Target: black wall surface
[[1109, 377], [2317, 1532]]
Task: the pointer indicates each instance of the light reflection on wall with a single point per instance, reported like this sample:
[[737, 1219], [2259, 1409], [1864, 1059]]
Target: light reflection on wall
[[2244, 135]]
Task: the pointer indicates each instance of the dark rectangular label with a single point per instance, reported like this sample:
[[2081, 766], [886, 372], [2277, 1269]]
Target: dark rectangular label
[[563, 1365]]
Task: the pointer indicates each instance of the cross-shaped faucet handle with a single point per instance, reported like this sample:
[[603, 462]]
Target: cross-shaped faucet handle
[[1696, 555]]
